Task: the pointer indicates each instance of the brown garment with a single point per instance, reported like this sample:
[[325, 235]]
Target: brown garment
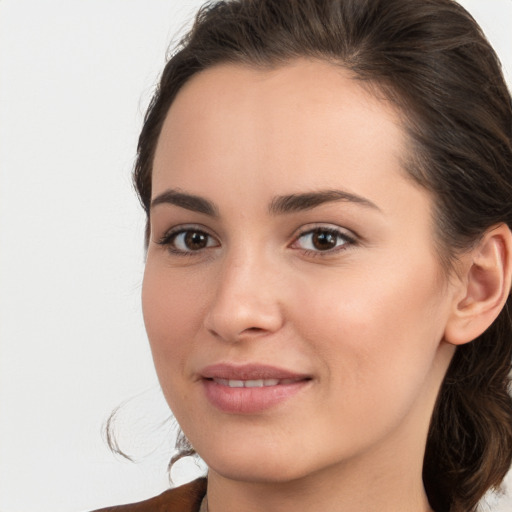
[[186, 498]]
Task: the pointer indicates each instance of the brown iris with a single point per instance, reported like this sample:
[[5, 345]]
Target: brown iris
[[195, 240], [324, 240]]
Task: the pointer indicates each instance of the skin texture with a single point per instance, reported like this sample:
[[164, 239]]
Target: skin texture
[[365, 321]]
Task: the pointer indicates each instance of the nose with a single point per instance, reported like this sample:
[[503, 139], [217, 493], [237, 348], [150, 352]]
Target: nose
[[246, 301]]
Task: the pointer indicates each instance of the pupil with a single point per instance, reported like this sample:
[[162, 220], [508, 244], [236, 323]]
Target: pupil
[[195, 240], [323, 240]]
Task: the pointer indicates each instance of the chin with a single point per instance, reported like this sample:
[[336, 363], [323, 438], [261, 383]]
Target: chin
[[262, 471], [261, 462]]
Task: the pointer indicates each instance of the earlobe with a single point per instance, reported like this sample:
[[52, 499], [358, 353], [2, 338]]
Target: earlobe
[[485, 285]]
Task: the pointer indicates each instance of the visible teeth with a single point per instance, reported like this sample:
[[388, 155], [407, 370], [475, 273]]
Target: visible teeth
[[254, 383], [259, 383]]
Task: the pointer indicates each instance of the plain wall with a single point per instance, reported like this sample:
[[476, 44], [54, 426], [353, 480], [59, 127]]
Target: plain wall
[[75, 78]]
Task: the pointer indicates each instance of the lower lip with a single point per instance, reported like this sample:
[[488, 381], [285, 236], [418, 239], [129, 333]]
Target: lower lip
[[250, 400]]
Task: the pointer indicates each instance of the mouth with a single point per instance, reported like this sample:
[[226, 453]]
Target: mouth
[[254, 372], [256, 383], [250, 389]]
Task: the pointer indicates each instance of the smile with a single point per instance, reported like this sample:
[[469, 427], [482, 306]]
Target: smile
[[259, 383], [250, 388]]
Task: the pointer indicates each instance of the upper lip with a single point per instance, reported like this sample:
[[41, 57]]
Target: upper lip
[[251, 371]]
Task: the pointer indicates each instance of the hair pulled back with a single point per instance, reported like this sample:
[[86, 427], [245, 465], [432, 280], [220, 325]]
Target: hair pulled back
[[430, 58]]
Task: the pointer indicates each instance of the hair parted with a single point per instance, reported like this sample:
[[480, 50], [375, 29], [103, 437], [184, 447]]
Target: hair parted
[[430, 58]]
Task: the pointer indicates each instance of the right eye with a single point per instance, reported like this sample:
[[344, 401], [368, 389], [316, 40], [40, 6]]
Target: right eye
[[187, 241]]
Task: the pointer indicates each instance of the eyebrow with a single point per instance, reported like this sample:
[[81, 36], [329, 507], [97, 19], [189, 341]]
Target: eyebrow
[[307, 201], [280, 205], [187, 201]]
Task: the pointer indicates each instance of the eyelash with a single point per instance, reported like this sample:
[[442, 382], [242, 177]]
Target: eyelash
[[340, 234], [169, 238]]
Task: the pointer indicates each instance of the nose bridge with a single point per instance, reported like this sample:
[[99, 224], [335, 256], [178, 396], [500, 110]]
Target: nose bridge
[[246, 299]]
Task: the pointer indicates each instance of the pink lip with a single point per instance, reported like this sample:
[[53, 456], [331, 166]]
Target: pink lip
[[250, 400], [249, 372]]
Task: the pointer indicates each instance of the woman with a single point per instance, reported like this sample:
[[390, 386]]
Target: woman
[[328, 186]]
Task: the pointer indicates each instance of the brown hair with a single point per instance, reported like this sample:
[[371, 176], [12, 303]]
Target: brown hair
[[431, 59]]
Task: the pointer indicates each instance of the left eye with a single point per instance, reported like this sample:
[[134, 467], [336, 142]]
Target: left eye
[[192, 240], [188, 241], [322, 240]]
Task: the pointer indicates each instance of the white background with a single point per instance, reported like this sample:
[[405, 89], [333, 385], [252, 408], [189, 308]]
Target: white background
[[75, 78]]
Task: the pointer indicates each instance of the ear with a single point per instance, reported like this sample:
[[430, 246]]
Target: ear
[[483, 286]]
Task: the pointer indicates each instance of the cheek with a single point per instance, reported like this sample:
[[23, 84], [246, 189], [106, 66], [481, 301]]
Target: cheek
[[378, 330], [172, 307]]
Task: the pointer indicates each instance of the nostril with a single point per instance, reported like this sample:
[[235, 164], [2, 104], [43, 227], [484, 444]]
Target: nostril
[[244, 334], [253, 330]]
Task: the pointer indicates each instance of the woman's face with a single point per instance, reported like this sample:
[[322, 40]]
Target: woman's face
[[293, 298]]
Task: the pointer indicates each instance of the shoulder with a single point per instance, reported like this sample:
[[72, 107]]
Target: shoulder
[[186, 498]]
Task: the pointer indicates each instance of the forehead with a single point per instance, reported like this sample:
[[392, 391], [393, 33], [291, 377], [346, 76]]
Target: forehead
[[304, 121]]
